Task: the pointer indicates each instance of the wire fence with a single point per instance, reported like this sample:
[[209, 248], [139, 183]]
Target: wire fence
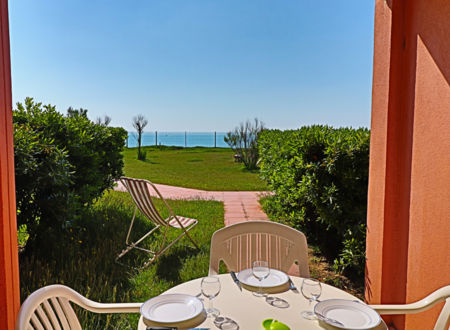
[[179, 139]]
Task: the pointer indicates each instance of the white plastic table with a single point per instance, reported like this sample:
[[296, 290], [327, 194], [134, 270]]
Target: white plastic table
[[249, 311]]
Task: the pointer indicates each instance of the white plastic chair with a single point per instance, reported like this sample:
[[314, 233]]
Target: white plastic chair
[[443, 321], [139, 190], [240, 244], [50, 308]]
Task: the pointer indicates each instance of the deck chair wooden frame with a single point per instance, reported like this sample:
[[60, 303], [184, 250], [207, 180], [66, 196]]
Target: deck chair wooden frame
[[240, 244], [140, 191], [50, 308]]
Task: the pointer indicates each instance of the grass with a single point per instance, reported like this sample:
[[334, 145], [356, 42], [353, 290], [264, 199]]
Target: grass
[[200, 168], [84, 258]]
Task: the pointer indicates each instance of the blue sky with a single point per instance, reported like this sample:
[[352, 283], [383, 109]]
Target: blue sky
[[197, 65]]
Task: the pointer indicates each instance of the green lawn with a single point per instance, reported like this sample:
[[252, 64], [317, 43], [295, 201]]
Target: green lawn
[[200, 168], [84, 258]]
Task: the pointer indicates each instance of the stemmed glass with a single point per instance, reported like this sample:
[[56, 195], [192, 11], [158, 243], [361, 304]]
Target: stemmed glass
[[210, 288], [311, 289], [260, 270]]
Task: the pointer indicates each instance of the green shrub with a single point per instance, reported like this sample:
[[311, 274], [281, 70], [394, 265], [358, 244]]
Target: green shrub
[[244, 142], [43, 176], [319, 175], [63, 162]]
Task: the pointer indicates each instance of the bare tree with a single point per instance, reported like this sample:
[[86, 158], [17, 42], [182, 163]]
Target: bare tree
[[244, 142], [103, 121], [139, 122]]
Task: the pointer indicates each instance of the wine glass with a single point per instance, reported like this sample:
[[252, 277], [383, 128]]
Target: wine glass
[[311, 290], [260, 270], [210, 288]]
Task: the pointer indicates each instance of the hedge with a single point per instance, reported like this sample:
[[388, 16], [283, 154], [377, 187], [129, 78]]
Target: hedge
[[62, 164], [319, 175]]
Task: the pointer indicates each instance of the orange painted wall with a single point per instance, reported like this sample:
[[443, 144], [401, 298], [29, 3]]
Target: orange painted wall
[[408, 240], [9, 267], [429, 239]]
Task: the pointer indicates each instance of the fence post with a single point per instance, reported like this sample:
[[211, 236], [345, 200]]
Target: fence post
[[156, 138], [185, 139], [215, 140]]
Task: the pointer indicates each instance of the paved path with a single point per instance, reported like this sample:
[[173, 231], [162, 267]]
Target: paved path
[[239, 205]]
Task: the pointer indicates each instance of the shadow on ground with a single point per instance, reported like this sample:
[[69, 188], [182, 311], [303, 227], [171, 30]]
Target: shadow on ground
[[169, 265]]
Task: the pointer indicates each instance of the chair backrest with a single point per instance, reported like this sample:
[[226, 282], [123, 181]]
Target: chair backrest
[[443, 321], [50, 308], [139, 190], [240, 244]]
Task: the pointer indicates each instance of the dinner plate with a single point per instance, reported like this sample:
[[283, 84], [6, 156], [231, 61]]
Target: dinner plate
[[275, 278], [351, 313], [171, 308]]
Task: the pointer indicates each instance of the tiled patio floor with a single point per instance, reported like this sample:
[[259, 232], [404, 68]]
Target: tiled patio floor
[[239, 205]]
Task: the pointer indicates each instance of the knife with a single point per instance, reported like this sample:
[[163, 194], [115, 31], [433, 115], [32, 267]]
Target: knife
[[329, 320], [235, 279], [292, 286]]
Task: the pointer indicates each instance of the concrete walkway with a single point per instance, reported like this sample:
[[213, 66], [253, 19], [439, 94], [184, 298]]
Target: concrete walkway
[[239, 205]]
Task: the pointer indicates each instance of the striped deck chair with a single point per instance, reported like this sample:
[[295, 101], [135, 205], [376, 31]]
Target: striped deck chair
[[139, 190]]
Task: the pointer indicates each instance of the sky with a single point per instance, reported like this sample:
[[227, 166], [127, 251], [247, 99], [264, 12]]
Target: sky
[[197, 65]]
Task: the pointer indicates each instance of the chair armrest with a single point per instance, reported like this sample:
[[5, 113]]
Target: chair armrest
[[97, 307], [416, 307], [113, 308]]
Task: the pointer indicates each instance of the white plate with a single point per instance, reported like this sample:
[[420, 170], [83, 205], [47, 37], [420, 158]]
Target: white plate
[[275, 278], [171, 308], [352, 314]]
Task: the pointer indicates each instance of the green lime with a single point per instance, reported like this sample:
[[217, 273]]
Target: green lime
[[271, 324]]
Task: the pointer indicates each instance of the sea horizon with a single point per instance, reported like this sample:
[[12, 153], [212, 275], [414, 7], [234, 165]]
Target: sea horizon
[[179, 139]]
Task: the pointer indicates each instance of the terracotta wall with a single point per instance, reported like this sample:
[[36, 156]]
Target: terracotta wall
[[408, 240], [9, 269]]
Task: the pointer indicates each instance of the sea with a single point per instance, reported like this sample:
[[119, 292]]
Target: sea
[[180, 139]]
